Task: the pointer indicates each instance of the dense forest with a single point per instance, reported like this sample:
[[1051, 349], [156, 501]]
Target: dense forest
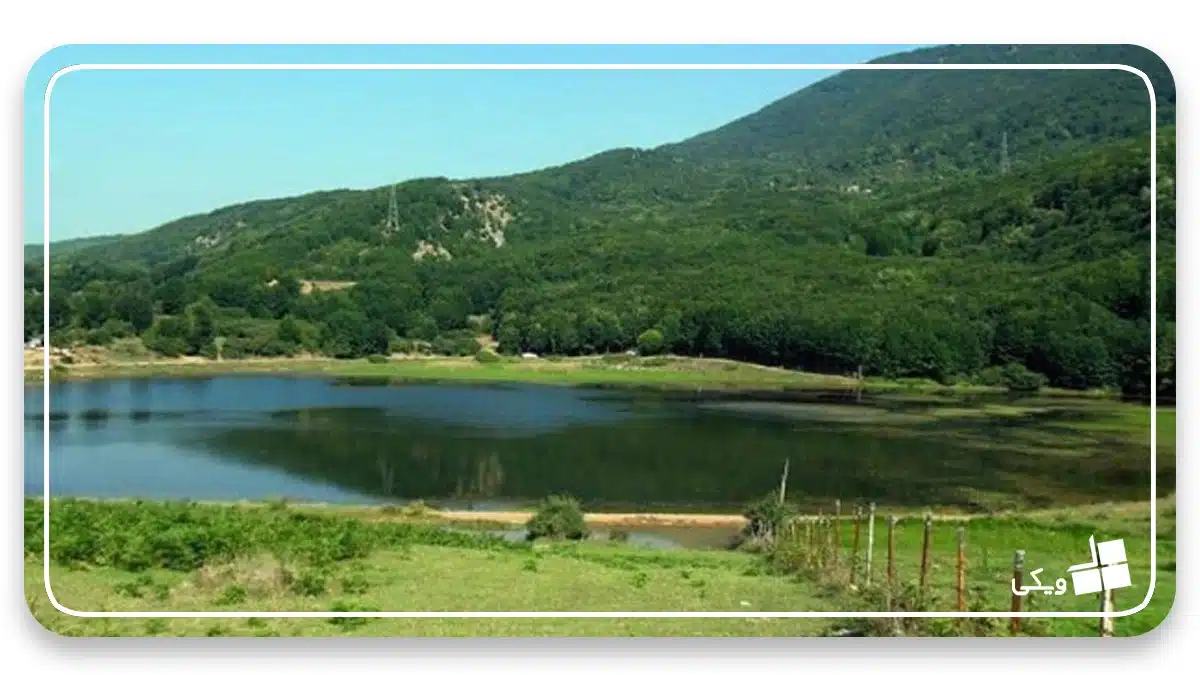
[[935, 224]]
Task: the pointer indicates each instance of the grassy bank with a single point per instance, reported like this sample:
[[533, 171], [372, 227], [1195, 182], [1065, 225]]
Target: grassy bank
[[124, 556], [1053, 540], [662, 373], [110, 556]]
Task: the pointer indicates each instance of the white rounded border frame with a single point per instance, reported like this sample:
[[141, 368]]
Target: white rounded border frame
[[557, 66]]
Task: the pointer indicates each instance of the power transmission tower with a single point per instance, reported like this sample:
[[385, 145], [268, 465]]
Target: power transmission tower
[[393, 216], [1004, 153]]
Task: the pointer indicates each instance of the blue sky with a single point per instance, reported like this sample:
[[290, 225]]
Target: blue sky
[[131, 150]]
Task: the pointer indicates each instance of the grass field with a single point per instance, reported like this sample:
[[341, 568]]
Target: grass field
[[665, 372], [174, 557], [1053, 540]]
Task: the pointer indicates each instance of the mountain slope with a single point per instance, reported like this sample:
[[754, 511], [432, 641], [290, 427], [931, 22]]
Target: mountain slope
[[847, 225], [34, 251], [879, 125]]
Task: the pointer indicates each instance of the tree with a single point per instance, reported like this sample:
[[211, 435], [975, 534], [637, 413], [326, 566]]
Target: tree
[[288, 332], [421, 326], [92, 304], [650, 342], [202, 325], [350, 334], [557, 517], [135, 303], [168, 336], [173, 295], [33, 315]]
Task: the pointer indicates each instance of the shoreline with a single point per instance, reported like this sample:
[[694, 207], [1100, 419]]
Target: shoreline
[[663, 374], [417, 512]]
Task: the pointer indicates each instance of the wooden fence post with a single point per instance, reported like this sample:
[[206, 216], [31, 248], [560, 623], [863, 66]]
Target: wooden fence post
[[870, 541], [820, 538], [1018, 565], [1107, 605], [891, 563], [808, 541], [961, 585], [925, 550], [783, 480], [854, 551], [837, 537]]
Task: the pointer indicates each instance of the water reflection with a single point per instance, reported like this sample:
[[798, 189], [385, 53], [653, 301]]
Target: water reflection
[[501, 447]]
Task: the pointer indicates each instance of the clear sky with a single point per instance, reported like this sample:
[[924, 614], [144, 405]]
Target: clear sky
[[131, 150]]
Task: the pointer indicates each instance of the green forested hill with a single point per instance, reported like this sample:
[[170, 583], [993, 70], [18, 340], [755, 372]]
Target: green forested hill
[[863, 221], [34, 251], [874, 126]]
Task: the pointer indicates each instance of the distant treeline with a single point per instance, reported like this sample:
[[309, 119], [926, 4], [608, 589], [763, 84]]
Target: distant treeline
[[1045, 267]]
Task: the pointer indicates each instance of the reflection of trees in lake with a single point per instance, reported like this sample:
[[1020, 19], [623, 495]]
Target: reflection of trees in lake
[[387, 475], [693, 461]]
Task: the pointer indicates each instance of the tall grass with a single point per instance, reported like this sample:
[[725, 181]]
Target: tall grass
[[183, 536]]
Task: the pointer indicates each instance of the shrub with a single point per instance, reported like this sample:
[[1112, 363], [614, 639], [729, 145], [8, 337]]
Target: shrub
[[402, 346], [278, 348], [765, 517], [1019, 378], [129, 347], [355, 583], [310, 582], [377, 358], [99, 336], [557, 517], [1012, 376], [350, 621], [487, 356], [455, 345], [232, 595], [650, 342], [130, 589]]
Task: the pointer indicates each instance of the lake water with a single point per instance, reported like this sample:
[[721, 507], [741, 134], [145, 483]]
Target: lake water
[[500, 447]]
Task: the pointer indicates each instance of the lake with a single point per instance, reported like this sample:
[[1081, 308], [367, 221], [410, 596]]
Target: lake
[[504, 447]]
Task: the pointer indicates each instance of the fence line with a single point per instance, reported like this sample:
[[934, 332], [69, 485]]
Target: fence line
[[821, 543]]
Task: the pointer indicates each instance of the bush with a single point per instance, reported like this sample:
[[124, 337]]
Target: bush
[[487, 356], [377, 358], [355, 583], [99, 336], [403, 346], [765, 517], [347, 622], [1012, 376], [278, 348], [310, 583], [650, 342], [130, 347], [232, 595], [1019, 378], [460, 345], [557, 517]]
